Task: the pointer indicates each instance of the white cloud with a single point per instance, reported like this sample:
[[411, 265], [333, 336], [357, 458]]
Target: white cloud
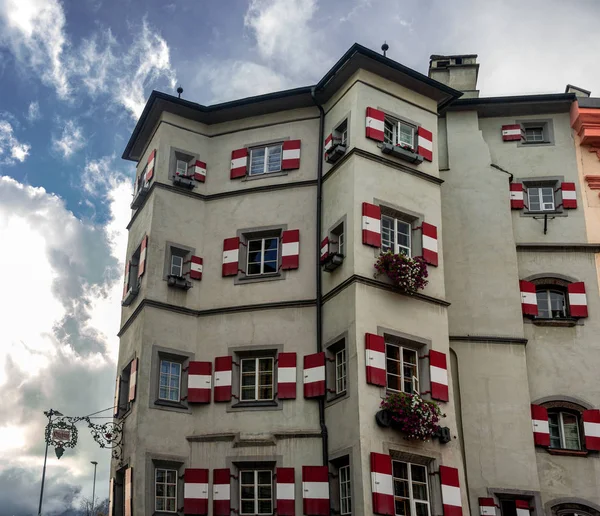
[[33, 112], [96, 62], [70, 141], [11, 149]]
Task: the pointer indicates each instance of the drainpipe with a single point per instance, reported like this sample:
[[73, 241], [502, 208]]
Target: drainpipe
[[324, 434]]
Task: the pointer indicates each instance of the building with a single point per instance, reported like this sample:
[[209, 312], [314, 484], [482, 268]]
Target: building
[[257, 345]]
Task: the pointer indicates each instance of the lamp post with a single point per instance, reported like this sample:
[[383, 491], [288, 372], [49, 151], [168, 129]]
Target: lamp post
[[94, 488], [49, 415]]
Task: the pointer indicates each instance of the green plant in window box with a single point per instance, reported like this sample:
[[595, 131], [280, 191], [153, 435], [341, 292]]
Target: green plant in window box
[[408, 274], [417, 418]]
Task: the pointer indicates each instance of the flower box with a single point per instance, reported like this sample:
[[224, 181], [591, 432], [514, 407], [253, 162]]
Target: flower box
[[335, 153], [410, 414], [185, 181], [405, 153], [179, 282], [406, 273], [332, 262]]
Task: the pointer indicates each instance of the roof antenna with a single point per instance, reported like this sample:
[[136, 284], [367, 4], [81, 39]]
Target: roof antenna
[[180, 91], [385, 47]]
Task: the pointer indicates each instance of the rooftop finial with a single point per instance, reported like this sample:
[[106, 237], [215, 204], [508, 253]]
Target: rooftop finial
[[179, 91], [385, 47]]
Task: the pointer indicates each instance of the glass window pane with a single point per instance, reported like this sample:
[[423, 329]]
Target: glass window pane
[[247, 477], [164, 366], [274, 159], [264, 507], [175, 368], [253, 269], [419, 491], [160, 504], [571, 429], [181, 167], [247, 506], [163, 393], [421, 509], [534, 199], [400, 469], [248, 366], [257, 161], [543, 304], [419, 473], [402, 507], [171, 505]]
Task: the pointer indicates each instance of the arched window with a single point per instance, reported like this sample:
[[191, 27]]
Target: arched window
[[573, 508], [552, 298], [566, 425]]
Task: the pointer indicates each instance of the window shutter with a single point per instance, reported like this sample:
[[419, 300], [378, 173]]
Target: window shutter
[[438, 373], [487, 507], [290, 158], [197, 170], [286, 376], [382, 484], [425, 143], [577, 299], [221, 492], [328, 142], [324, 250], [528, 298], [111, 497], [522, 507], [290, 249], [142, 266], [314, 375], [591, 429], [430, 244], [375, 359], [239, 163], [541, 429], [199, 382], [569, 196], [374, 124], [195, 267], [517, 201], [285, 492], [371, 224], [126, 285], [223, 368], [512, 133], [150, 167], [133, 379], [128, 498], [231, 253], [451, 498], [117, 394], [315, 490], [195, 491]]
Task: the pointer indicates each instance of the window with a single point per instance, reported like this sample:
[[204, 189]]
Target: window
[[170, 381], [396, 235], [341, 132], [534, 134], [401, 368], [340, 371], [411, 493], [123, 400], [165, 490], [338, 237], [176, 266], [265, 160], [256, 381], [263, 256], [345, 492], [541, 199], [256, 492], [551, 304], [564, 430], [399, 133], [181, 167]]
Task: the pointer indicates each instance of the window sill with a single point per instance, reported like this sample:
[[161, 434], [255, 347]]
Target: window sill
[[253, 404], [240, 279], [403, 154], [567, 322], [164, 513], [130, 296], [568, 453], [171, 404], [179, 282], [184, 182], [555, 213], [334, 398], [281, 173]]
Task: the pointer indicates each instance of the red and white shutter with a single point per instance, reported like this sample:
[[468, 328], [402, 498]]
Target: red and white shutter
[[314, 375], [239, 163], [539, 422], [290, 249], [591, 429], [290, 158], [371, 224], [143, 252], [195, 491], [195, 267], [375, 359], [487, 507], [577, 299], [285, 490], [324, 250], [150, 166], [117, 394], [133, 379], [528, 298], [315, 490], [197, 170], [425, 143], [430, 244], [512, 133], [223, 370], [451, 498], [286, 376], [328, 142], [382, 484], [569, 196], [111, 497], [199, 382], [126, 285], [374, 124], [221, 492], [231, 256], [522, 507], [128, 492], [438, 373], [517, 200]]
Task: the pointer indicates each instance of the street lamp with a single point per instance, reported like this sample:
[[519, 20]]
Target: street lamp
[[49, 415], [94, 488]]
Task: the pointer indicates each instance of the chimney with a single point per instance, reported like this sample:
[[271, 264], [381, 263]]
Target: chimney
[[457, 71], [579, 92]]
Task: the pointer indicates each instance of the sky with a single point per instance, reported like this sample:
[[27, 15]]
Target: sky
[[74, 77]]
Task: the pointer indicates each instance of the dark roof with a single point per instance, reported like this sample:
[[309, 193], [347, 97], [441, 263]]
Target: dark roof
[[444, 56], [588, 102], [518, 105], [357, 57]]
